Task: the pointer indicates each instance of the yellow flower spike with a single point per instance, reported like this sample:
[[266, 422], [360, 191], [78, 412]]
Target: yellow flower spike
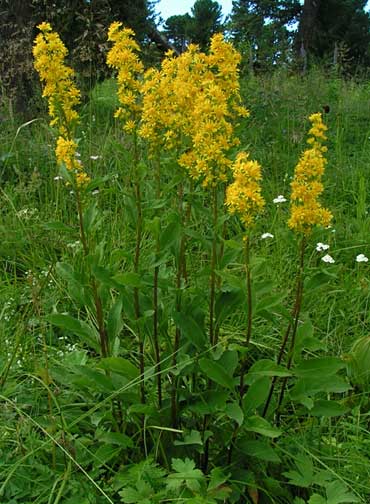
[[123, 57], [243, 195], [306, 211], [63, 96]]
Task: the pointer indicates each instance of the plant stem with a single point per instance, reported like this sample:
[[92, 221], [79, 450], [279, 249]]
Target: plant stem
[[155, 292], [213, 270], [295, 315], [179, 276], [139, 231], [298, 305], [249, 312], [104, 345]]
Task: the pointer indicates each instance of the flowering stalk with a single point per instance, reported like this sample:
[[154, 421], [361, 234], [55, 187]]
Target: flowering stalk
[[63, 96], [124, 59], [305, 213]]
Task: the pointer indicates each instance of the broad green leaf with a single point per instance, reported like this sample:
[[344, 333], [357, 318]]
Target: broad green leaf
[[90, 217], [95, 378], [194, 438], [261, 426], [190, 329], [321, 366], [317, 499], [304, 475], [260, 449], [268, 302], [217, 478], [80, 328], [337, 493], [115, 322], [318, 280], [328, 408], [226, 303], [234, 411], [120, 366], [116, 438], [216, 373], [105, 453], [129, 279], [265, 367], [312, 385], [187, 474], [170, 235], [256, 395]]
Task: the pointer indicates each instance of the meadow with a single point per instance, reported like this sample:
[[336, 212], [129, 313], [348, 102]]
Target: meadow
[[159, 345]]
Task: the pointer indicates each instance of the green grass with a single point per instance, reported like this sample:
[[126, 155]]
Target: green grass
[[61, 437]]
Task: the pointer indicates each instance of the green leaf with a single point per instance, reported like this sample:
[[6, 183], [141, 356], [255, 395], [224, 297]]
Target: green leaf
[[90, 217], [216, 373], [185, 474], [194, 438], [226, 303], [104, 454], [268, 302], [337, 493], [190, 329], [95, 378], [129, 279], [261, 426], [120, 366], [304, 476], [80, 328], [327, 408], [256, 395], [259, 449], [265, 367], [115, 322], [116, 438], [321, 366], [217, 478], [318, 280], [234, 411], [170, 235]]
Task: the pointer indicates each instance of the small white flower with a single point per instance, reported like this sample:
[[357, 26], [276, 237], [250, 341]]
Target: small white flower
[[361, 258], [328, 259], [321, 246], [94, 158], [95, 192], [266, 235], [58, 177], [279, 199]]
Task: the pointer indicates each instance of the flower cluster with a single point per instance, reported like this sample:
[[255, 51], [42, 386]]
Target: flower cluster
[[123, 57], [306, 210], [62, 94], [192, 101], [243, 196]]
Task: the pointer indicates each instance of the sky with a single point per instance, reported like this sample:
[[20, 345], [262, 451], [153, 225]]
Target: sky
[[169, 8]]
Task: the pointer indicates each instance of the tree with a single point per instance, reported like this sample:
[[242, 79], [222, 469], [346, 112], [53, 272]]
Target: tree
[[327, 25], [206, 20], [261, 28], [177, 30]]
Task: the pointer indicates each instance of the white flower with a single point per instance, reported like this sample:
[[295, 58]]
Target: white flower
[[321, 246], [94, 158], [328, 259], [58, 177], [361, 258], [279, 199], [266, 235], [95, 192]]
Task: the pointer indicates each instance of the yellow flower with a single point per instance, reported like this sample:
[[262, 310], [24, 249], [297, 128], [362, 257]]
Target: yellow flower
[[62, 94], [193, 101], [243, 195], [306, 211], [123, 57]]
